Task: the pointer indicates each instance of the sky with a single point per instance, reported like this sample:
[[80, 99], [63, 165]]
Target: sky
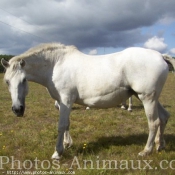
[[93, 26]]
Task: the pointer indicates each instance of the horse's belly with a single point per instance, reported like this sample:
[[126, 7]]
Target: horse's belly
[[103, 101], [106, 101]]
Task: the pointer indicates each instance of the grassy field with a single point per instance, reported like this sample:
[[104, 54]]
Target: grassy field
[[106, 141]]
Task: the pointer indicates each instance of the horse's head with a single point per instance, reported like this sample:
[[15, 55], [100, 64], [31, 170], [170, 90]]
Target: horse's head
[[15, 78]]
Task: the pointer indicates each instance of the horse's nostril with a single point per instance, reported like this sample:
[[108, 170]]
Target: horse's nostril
[[14, 109], [21, 108]]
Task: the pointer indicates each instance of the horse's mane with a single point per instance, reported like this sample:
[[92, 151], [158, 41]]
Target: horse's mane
[[42, 48]]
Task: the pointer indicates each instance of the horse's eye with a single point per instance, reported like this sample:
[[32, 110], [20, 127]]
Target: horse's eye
[[24, 80], [7, 82]]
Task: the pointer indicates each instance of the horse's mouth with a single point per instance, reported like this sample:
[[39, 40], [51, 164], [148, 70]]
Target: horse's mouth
[[19, 112]]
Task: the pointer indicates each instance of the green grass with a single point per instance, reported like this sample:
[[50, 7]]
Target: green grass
[[102, 137]]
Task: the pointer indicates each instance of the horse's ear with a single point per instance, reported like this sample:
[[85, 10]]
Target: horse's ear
[[22, 63], [5, 63]]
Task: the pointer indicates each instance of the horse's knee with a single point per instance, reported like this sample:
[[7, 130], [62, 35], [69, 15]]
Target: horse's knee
[[67, 140], [163, 114]]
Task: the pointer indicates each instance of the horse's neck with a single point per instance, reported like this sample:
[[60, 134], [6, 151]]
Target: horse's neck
[[39, 71]]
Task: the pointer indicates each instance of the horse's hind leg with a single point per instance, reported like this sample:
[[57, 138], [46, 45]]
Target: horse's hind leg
[[163, 115], [130, 104], [151, 110], [123, 105]]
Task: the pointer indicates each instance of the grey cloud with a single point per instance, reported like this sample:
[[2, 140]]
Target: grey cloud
[[86, 24]]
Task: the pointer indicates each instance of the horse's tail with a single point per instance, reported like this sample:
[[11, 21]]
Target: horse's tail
[[169, 60]]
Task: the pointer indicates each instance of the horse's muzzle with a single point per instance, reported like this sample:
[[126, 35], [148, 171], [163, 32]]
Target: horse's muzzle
[[18, 111]]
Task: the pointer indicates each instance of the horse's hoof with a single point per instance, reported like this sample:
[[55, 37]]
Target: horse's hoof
[[130, 110], [143, 153], [56, 156], [123, 107], [160, 148]]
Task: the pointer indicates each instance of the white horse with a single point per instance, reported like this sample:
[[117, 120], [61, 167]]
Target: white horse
[[95, 81]]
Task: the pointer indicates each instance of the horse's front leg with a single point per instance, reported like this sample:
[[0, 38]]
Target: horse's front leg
[[63, 130], [67, 138]]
